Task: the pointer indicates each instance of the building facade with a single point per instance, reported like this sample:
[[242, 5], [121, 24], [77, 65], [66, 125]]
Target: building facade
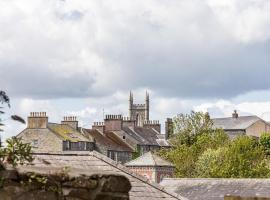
[[52, 137]]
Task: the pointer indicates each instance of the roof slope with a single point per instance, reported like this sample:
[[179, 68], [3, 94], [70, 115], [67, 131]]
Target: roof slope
[[66, 132], [149, 159], [105, 141], [240, 123], [216, 189], [146, 136], [94, 162]]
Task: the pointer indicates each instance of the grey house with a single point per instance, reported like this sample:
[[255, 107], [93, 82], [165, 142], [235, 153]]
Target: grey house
[[242, 125]]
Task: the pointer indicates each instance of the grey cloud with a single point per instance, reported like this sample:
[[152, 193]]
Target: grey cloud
[[181, 48]]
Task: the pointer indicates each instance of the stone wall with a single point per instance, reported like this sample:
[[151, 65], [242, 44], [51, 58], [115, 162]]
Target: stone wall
[[61, 186], [44, 139], [258, 128]]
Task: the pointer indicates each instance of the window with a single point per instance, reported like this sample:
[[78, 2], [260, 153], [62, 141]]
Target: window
[[124, 137], [35, 143]]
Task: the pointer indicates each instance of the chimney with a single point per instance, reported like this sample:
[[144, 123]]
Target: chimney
[[154, 124], [71, 121], [37, 120], [168, 128], [235, 114], [113, 122]]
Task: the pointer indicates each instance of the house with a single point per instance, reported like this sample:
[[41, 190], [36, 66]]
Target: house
[[118, 137], [45, 136], [89, 163], [217, 188], [139, 139], [152, 167], [242, 125]]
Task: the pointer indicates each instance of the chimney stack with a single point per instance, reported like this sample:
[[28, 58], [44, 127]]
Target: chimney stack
[[235, 114], [113, 122], [37, 120], [168, 128], [71, 121]]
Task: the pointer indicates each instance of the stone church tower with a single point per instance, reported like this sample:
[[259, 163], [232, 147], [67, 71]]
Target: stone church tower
[[139, 112]]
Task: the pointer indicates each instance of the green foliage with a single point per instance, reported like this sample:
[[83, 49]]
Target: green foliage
[[188, 127], [137, 153], [200, 150], [242, 158], [16, 152], [265, 142]]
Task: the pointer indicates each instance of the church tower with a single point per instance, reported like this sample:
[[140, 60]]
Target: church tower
[[139, 112]]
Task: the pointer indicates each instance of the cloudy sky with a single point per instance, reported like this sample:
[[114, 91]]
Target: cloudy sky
[[83, 57]]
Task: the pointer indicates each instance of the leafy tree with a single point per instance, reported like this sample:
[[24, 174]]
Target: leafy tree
[[265, 142], [242, 158], [4, 99], [188, 126], [193, 134], [209, 164], [16, 152]]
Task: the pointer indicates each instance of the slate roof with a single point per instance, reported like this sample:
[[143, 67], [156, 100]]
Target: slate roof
[[105, 141], [216, 189], [240, 123], [145, 136], [94, 162], [149, 159], [66, 132]]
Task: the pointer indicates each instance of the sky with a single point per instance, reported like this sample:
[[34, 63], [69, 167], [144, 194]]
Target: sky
[[77, 57]]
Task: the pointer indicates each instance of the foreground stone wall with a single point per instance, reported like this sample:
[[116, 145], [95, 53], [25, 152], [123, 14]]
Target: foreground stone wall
[[245, 198], [15, 186]]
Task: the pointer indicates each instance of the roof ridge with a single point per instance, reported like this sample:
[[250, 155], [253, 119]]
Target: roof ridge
[[236, 118], [127, 171]]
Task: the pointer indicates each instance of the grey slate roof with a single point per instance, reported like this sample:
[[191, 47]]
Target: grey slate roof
[[146, 136], [149, 159], [105, 141], [216, 189], [230, 123], [89, 163], [66, 132]]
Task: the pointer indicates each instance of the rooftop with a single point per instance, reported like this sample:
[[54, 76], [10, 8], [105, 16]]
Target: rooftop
[[87, 163], [216, 189], [232, 123], [149, 159]]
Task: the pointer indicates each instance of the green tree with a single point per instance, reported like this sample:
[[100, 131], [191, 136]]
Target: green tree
[[16, 152], [265, 142], [193, 134], [241, 158], [188, 126], [209, 164]]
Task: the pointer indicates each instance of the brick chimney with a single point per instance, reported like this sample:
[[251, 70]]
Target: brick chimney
[[168, 128], [37, 120], [235, 114], [113, 122], [71, 121]]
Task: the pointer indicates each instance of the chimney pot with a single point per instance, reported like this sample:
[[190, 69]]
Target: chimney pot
[[235, 114]]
